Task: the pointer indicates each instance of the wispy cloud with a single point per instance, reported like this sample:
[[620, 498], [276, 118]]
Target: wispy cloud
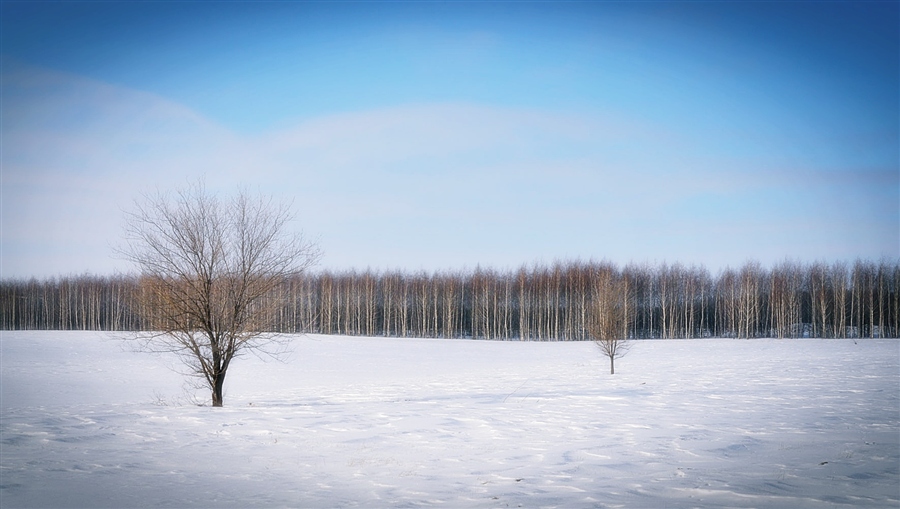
[[420, 185]]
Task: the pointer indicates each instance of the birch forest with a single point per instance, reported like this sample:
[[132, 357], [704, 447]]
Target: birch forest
[[538, 302]]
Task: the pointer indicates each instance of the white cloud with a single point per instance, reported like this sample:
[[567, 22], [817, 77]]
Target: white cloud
[[77, 151], [429, 185]]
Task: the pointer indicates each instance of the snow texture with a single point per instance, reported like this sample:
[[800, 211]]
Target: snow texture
[[375, 422]]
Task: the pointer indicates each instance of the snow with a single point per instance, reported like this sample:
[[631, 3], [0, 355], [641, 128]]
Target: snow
[[376, 422]]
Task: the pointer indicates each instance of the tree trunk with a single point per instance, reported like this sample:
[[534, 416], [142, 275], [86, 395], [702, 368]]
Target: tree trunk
[[217, 399], [612, 365]]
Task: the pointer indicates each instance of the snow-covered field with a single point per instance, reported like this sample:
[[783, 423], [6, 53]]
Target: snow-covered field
[[374, 422]]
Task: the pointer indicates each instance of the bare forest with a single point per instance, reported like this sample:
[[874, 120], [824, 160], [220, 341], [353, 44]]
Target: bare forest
[[539, 302]]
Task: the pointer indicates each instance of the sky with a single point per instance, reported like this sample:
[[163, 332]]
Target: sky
[[450, 135]]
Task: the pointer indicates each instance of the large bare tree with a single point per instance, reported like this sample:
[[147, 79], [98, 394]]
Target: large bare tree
[[209, 271]]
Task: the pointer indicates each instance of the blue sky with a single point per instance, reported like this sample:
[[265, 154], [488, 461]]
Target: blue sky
[[438, 135]]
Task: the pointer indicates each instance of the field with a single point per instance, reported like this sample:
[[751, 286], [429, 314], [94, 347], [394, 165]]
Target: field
[[376, 422]]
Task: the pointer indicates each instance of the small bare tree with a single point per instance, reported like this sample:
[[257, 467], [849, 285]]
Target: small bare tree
[[209, 271], [608, 325]]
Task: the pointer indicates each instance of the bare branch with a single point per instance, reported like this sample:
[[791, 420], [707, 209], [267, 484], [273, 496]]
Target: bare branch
[[609, 323], [209, 274]]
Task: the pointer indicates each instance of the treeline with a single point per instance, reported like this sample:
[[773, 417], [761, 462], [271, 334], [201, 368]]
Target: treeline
[[540, 302]]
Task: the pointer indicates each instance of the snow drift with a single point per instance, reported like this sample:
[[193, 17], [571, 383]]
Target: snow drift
[[375, 422]]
